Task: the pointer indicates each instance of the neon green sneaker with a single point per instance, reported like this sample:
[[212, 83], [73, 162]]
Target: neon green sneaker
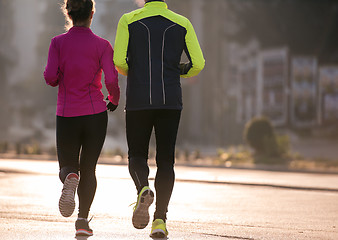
[[141, 215], [159, 229]]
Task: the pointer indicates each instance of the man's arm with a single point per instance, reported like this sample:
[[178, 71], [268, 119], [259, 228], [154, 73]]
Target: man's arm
[[121, 46], [194, 54]]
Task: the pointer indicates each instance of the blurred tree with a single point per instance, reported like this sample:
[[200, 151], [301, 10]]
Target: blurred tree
[[306, 27], [108, 20], [260, 135], [52, 24], [7, 60], [39, 99]]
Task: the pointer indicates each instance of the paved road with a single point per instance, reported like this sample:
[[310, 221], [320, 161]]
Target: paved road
[[207, 203]]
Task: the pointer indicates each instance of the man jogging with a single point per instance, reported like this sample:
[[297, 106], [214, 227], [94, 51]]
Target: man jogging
[[148, 47]]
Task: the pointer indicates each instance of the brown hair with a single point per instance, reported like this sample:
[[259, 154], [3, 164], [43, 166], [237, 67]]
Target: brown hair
[[77, 11]]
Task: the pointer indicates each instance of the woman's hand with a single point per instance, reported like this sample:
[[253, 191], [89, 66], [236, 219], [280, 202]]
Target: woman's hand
[[111, 107]]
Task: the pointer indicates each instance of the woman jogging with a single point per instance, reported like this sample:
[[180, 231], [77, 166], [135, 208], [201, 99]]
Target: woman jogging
[[148, 47], [75, 63]]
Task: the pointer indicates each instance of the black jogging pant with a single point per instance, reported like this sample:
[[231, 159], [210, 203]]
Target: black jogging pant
[[139, 126], [79, 143]]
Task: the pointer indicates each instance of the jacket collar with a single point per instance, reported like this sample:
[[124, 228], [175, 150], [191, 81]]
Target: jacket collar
[[79, 29], [159, 4]]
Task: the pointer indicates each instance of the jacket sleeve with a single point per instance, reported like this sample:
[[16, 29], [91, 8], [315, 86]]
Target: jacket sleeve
[[52, 72], [110, 75], [121, 46], [194, 53]]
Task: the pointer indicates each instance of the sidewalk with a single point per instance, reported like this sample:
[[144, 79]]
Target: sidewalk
[[249, 177], [207, 204]]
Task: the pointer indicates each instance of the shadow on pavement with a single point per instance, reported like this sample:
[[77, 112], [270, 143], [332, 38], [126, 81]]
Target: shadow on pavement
[[82, 237]]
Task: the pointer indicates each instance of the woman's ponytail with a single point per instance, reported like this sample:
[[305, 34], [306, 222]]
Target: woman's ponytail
[[77, 11]]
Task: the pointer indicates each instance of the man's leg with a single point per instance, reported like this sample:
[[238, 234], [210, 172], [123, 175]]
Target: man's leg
[[139, 125], [166, 128]]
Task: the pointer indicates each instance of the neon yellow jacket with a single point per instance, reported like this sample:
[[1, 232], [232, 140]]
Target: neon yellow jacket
[[148, 47]]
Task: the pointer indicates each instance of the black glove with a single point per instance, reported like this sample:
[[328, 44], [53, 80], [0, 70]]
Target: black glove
[[185, 67], [111, 107]]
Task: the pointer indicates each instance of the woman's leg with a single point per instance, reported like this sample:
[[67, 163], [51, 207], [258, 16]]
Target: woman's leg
[[68, 143], [68, 135], [166, 128], [93, 137]]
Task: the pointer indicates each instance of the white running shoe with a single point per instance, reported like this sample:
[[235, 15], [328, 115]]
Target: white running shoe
[[67, 201], [141, 215]]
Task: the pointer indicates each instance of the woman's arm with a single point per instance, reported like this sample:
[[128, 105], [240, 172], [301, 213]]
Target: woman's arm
[[52, 72], [110, 74]]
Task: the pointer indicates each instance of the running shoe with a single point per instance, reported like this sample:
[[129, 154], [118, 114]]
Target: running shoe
[[67, 201], [159, 229], [82, 227], [141, 214]]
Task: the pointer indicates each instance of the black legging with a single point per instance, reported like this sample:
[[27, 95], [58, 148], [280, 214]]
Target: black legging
[[139, 125], [85, 134]]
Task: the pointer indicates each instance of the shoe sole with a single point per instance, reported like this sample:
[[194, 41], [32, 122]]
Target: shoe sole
[[83, 232], [67, 201], [158, 233], [141, 214]]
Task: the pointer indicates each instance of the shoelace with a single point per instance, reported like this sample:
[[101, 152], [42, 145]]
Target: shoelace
[[134, 203], [88, 221]]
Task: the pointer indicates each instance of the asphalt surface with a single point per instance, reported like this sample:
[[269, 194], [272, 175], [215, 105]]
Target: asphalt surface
[[207, 203]]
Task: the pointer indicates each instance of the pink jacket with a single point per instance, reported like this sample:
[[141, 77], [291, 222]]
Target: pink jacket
[[75, 63]]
